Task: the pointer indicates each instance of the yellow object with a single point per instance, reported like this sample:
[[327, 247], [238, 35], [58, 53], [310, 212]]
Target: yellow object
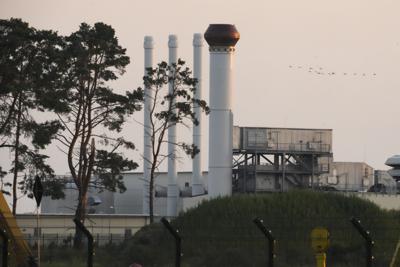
[[320, 243], [18, 248], [321, 259], [319, 239]]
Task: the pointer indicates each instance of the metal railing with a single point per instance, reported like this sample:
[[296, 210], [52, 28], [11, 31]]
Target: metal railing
[[319, 168], [289, 147]]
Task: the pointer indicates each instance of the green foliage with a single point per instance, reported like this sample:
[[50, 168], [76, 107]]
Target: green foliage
[[92, 58], [42, 133], [29, 69], [221, 232], [108, 168], [42, 71]]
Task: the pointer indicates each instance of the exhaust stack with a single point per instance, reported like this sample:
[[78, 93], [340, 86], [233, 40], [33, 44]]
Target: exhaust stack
[[173, 189], [197, 179], [222, 39], [148, 100]]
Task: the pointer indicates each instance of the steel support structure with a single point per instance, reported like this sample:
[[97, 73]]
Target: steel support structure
[[286, 169]]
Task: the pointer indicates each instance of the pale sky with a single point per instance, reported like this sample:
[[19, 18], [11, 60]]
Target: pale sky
[[355, 37]]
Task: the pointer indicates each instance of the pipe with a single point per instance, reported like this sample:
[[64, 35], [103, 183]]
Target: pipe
[[148, 100], [173, 189], [197, 179], [222, 39]]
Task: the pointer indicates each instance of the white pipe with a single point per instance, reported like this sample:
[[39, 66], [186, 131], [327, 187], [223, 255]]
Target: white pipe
[[148, 100], [222, 39], [197, 179], [173, 189], [220, 152]]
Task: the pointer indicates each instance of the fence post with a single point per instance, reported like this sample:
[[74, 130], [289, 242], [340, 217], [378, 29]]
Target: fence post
[[89, 236], [174, 233], [369, 243], [271, 240], [4, 251]]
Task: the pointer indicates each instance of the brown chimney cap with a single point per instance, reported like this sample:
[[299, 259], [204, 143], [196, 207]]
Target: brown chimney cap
[[222, 35]]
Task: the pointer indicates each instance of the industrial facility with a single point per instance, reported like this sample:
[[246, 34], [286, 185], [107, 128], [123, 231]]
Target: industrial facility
[[241, 159], [278, 159]]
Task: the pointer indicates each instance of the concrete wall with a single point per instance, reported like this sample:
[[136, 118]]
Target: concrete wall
[[384, 201]]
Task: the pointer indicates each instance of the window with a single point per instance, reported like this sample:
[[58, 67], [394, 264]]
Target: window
[[257, 138]]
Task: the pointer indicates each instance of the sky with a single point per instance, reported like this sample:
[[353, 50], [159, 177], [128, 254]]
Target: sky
[[357, 40]]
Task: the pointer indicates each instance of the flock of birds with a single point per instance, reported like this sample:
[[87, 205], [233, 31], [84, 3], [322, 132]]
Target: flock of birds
[[321, 71]]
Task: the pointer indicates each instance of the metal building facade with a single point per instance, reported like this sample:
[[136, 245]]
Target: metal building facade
[[277, 159]]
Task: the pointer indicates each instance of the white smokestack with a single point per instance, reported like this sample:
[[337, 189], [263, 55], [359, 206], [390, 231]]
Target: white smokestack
[[222, 39], [173, 189], [148, 100], [197, 179]]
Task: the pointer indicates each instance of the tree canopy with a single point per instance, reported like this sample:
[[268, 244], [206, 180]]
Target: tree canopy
[[29, 70], [92, 57]]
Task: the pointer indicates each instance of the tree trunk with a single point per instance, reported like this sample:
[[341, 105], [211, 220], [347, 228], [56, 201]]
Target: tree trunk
[[151, 200], [11, 111], [16, 158], [80, 215]]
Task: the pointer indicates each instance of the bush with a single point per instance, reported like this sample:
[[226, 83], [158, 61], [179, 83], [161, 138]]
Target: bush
[[221, 232]]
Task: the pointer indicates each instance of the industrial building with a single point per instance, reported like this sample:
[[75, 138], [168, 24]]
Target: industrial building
[[278, 159], [129, 202], [351, 176], [394, 163], [384, 183], [342, 176]]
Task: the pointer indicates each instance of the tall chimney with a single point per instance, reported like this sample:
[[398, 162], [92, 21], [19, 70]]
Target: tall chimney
[[173, 189], [222, 39], [148, 100], [197, 179]]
